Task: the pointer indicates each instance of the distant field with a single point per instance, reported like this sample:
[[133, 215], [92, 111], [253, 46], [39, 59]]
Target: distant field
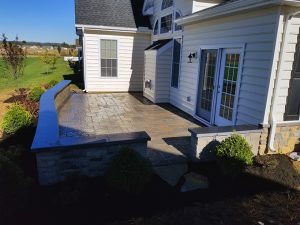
[[34, 74]]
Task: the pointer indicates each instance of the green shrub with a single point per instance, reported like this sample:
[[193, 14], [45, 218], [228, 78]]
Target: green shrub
[[16, 118], [35, 94], [129, 172], [234, 154], [50, 84]]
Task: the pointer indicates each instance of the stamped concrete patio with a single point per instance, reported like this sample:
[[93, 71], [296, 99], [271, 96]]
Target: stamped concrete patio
[[96, 114]]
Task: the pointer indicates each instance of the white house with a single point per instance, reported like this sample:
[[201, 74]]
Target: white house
[[224, 62]]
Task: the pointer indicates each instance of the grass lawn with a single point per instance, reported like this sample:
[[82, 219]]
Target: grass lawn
[[34, 75]]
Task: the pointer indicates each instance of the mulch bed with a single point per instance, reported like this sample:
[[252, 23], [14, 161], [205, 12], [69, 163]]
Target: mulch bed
[[263, 194]]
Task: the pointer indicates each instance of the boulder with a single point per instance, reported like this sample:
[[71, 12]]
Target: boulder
[[171, 174], [194, 182]]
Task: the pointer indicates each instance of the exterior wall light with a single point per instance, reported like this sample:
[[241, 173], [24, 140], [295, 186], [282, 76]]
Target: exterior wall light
[[192, 56]]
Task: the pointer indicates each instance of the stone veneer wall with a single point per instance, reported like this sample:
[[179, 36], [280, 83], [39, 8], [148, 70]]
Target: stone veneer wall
[[203, 140], [61, 157], [55, 166], [287, 138]]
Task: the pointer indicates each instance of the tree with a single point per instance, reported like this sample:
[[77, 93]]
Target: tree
[[14, 56], [59, 49], [65, 45], [47, 59], [53, 58]]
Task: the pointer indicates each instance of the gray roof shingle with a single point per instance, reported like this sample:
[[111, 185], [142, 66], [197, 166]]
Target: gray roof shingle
[[114, 13]]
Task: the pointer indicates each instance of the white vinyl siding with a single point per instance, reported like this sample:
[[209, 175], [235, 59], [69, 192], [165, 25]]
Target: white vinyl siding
[[257, 30], [163, 77], [130, 62], [287, 66], [150, 73], [158, 67]]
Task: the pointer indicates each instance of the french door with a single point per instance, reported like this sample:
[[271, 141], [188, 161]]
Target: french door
[[218, 86]]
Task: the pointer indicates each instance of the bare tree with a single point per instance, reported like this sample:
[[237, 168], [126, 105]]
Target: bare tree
[[14, 56]]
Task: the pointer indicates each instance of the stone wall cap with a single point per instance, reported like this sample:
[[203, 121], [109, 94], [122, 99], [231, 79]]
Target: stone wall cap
[[223, 131], [96, 141], [47, 132]]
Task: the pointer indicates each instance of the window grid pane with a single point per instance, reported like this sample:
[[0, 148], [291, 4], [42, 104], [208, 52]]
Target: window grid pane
[[208, 80], [109, 58], [166, 24], [229, 85]]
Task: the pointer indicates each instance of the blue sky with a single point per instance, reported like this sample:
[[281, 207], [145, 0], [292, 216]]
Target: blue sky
[[38, 20]]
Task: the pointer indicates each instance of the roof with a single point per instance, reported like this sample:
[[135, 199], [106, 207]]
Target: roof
[[231, 7], [112, 13], [158, 44]]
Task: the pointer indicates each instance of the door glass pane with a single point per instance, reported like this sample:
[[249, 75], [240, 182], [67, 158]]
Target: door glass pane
[[229, 85], [207, 79]]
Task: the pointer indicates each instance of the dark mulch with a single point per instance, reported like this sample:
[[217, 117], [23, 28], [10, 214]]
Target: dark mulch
[[262, 194]]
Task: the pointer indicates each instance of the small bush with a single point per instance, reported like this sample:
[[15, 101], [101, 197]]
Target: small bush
[[21, 97], [234, 154], [129, 172], [75, 66], [16, 118], [50, 84], [35, 94]]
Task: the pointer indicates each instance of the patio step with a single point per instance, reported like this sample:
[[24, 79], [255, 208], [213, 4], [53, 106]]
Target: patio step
[[163, 154]]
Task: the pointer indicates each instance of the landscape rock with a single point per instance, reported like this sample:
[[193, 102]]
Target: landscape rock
[[295, 156], [194, 182], [171, 174]]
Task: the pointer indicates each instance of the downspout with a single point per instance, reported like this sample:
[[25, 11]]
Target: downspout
[[278, 78]]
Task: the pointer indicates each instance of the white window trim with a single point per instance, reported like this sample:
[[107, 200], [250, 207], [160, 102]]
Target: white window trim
[[113, 38], [180, 62], [158, 27], [219, 48]]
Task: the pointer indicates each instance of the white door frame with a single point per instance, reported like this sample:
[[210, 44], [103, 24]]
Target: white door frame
[[219, 48]]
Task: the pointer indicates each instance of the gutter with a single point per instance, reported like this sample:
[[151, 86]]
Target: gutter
[[273, 122], [114, 29]]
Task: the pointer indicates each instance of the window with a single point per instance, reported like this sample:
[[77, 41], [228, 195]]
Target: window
[[176, 63], [109, 59], [166, 24], [166, 4], [155, 31], [177, 27]]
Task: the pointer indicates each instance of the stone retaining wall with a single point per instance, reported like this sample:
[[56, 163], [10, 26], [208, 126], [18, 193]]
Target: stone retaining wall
[[204, 139], [55, 166], [287, 139], [61, 157]]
